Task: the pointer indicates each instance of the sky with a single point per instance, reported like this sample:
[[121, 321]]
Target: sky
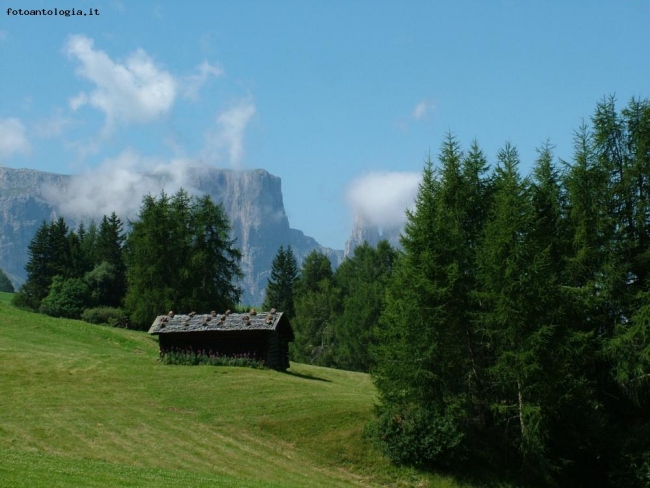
[[343, 100]]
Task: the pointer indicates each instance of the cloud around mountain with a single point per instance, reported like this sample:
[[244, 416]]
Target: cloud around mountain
[[382, 198]]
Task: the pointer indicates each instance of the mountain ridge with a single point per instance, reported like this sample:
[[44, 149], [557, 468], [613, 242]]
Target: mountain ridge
[[252, 200]]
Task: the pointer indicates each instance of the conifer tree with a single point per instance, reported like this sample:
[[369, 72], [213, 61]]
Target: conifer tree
[[428, 369], [362, 280], [280, 288], [179, 257], [49, 256], [316, 303]]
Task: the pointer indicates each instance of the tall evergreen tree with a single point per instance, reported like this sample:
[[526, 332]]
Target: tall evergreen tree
[[316, 303], [428, 362], [179, 257], [214, 261], [362, 280], [280, 288], [49, 256], [109, 270]]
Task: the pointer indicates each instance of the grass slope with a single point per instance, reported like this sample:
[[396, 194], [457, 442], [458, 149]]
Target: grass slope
[[84, 405]]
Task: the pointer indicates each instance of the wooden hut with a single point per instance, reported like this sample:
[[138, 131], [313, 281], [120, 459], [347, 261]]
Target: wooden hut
[[264, 336]]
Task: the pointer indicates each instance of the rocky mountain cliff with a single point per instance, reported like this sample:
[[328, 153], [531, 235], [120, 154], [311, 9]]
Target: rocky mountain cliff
[[251, 198], [364, 231]]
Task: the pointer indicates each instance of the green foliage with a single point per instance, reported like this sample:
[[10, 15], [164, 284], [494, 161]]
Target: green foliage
[[67, 298], [94, 255], [108, 254], [280, 288], [362, 280], [315, 301], [416, 436], [179, 257], [519, 312], [49, 256], [104, 315], [5, 283]]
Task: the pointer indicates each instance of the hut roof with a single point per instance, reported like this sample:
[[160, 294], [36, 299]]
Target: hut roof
[[166, 324]]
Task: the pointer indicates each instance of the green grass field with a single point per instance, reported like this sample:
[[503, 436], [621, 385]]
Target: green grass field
[[86, 405]]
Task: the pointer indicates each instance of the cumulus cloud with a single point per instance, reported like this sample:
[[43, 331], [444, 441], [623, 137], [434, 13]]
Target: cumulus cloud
[[381, 198], [422, 109], [133, 91], [118, 185], [228, 135], [13, 138], [193, 83]]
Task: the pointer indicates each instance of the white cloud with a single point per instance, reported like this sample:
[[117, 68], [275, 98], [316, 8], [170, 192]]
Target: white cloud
[[134, 91], [381, 198], [422, 109], [13, 138], [193, 83], [118, 185], [229, 134]]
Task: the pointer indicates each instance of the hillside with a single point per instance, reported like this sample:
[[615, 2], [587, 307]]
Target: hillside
[[86, 405]]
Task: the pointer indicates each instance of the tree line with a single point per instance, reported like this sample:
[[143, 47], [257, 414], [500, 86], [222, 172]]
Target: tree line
[[178, 255], [512, 331]]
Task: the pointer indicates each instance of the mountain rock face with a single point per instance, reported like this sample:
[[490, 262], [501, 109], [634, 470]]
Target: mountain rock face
[[365, 231], [251, 198]]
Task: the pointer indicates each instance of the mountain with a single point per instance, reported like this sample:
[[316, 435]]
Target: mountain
[[251, 198], [365, 231]]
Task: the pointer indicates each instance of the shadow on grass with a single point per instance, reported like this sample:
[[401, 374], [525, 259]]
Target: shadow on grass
[[306, 377]]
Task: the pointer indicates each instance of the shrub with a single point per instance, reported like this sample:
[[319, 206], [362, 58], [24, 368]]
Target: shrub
[[67, 298], [415, 436], [104, 315]]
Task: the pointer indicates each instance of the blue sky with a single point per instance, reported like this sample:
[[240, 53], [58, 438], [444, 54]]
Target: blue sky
[[332, 96]]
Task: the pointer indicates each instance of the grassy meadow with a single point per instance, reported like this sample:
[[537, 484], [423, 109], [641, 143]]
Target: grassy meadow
[[86, 405]]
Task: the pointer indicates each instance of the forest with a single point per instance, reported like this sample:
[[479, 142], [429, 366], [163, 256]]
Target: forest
[[511, 330]]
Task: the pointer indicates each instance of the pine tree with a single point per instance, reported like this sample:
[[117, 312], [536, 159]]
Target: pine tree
[[316, 303], [108, 274], [179, 257], [428, 370], [280, 288], [362, 280], [214, 261], [49, 256]]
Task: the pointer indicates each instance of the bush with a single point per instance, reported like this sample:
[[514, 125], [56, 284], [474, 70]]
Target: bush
[[415, 436], [21, 300], [104, 315], [67, 298]]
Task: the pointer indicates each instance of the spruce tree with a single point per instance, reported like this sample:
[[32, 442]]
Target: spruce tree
[[109, 271], [362, 280], [49, 256], [180, 257], [428, 370], [316, 303], [280, 287]]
